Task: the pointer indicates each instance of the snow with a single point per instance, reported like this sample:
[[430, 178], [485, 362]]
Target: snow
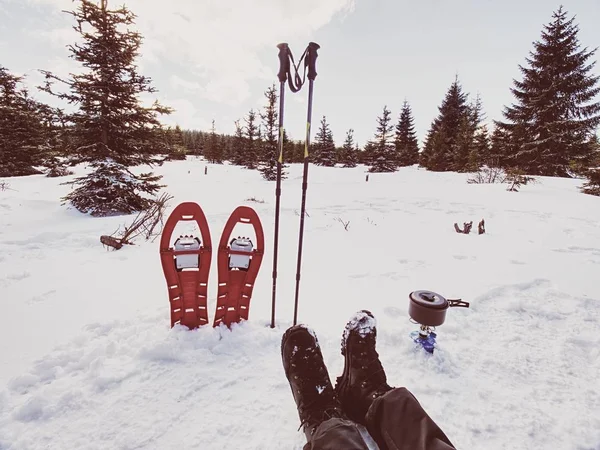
[[88, 359]]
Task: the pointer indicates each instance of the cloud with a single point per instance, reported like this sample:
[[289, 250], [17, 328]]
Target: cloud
[[186, 116], [218, 41]]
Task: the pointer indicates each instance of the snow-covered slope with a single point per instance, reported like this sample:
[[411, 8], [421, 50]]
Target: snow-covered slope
[[88, 360]]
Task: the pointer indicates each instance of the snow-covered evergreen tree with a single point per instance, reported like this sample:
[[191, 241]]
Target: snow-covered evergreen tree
[[407, 145], [384, 150], [111, 130], [323, 149], [550, 125]]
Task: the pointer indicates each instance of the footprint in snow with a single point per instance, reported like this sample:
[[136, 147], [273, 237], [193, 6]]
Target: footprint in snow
[[18, 276], [392, 311], [42, 297]]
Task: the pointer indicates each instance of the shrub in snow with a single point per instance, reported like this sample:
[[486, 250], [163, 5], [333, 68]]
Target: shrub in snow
[[488, 175], [592, 186]]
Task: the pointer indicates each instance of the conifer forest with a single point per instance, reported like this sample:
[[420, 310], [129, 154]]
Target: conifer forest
[[549, 129]]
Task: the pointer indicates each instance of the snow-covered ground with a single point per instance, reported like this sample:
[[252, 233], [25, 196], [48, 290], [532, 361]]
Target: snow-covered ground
[[88, 360]]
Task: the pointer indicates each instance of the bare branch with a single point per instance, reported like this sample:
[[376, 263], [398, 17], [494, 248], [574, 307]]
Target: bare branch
[[345, 224], [148, 223]]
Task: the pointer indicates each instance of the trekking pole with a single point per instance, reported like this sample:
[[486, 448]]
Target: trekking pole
[[284, 68], [310, 62]]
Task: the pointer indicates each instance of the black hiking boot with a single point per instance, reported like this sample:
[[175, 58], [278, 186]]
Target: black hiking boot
[[363, 379], [306, 372]]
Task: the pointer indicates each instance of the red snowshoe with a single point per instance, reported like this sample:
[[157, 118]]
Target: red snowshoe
[[238, 264], [186, 266]]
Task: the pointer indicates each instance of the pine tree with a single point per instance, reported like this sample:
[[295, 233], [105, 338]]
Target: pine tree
[[406, 143], [384, 151], [270, 150], [550, 125], [323, 149], [111, 130], [252, 140], [25, 128], [348, 155]]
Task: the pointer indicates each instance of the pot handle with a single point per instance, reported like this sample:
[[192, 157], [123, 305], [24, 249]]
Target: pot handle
[[458, 303]]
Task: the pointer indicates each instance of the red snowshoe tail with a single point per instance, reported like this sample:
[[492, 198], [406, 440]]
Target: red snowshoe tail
[[186, 266], [238, 264]]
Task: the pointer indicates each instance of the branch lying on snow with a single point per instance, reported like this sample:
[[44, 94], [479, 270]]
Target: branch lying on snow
[[345, 224], [144, 224], [254, 199], [5, 186], [298, 213], [466, 229]]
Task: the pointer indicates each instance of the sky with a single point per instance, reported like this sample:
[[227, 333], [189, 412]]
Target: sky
[[213, 59]]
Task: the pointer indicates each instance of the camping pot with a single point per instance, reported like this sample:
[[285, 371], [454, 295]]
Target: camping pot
[[429, 308]]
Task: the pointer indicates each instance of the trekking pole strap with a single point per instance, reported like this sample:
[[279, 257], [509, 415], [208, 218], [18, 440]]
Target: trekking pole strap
[[287, 63]]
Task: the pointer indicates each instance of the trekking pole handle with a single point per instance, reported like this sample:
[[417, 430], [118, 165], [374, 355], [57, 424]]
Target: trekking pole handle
[[284, 62], [311, 60]]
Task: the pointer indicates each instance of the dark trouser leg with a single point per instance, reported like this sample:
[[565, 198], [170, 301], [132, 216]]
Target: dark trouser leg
[[397, 421], [337, 434]]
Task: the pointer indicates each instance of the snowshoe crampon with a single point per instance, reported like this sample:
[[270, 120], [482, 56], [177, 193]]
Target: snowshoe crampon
[[186, 266], [238, 264]]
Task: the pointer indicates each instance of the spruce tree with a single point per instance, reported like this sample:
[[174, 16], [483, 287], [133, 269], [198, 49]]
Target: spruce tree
[[175, 143], [406, 143], [349, 156], [239, 144], [270, 149], [111, 130], [25, 128], [465, 148], [480, 153], [252, 141], [323, 149], [592, 185], [213, 151], [384, 151], [442, 143], [550, 124]]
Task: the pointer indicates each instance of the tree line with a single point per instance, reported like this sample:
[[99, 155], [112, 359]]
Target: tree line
[[549, 130]]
